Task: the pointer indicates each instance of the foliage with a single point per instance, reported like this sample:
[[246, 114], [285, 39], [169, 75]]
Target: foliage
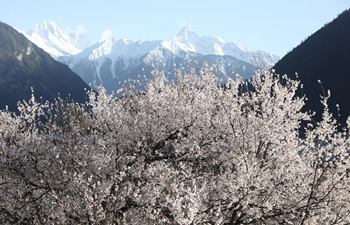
[[183, 152]]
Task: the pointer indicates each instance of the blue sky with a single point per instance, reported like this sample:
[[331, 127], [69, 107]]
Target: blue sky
[[272, 25]]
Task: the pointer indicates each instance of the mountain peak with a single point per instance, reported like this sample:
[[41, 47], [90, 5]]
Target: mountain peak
[[48, 23], [188, 35], [46, 26], [57, 41], [185, 30], [107, 35]]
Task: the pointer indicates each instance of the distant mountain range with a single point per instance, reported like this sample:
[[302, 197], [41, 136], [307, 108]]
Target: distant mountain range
[[324, 56], [23, 66], [111, 62]]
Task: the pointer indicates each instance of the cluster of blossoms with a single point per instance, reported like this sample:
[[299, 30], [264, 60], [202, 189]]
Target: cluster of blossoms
[[182, 152]]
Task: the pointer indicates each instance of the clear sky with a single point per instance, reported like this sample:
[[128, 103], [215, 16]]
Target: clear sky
[[272, 25]]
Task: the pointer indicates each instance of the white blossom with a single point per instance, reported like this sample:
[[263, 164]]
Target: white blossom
[[187, 151]]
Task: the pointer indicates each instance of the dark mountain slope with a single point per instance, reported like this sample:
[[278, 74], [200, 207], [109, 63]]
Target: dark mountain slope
[[24, 65], [324, 56]]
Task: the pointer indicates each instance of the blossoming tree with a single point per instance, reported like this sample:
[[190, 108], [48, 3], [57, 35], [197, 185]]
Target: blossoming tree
[[182, 152]]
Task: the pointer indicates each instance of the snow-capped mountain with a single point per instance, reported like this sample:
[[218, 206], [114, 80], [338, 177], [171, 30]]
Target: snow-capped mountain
[[188, 41], [110, 62], [185, 41], [56, 41]]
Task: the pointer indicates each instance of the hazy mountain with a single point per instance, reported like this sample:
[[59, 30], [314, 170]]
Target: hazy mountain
[[111, 62], [24, 65], [324, 56], [57, 41], [188, 41]]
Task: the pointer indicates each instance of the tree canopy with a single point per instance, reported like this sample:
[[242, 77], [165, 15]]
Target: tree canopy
[[184, 152]]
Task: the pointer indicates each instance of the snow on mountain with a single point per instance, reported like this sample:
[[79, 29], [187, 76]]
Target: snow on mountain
[[109, 47], [111, 61], [61, 43], [185, 41], [56, 41], [188, 41]]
